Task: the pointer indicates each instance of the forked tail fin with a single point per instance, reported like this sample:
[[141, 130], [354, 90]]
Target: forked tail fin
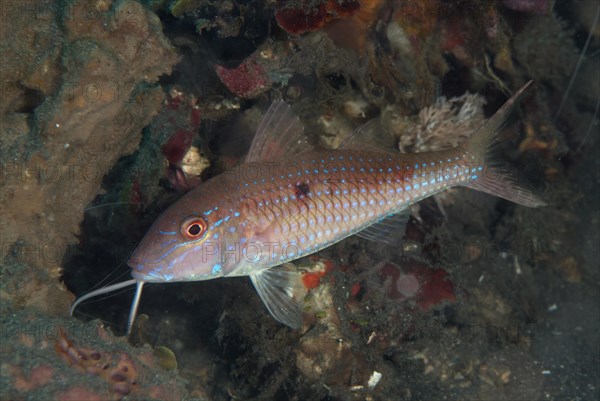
[[480, 148]]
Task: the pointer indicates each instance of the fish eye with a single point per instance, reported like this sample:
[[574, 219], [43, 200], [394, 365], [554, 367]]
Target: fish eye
[[194, 227]]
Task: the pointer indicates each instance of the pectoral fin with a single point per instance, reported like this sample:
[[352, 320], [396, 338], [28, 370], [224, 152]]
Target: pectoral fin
[[282, 292]]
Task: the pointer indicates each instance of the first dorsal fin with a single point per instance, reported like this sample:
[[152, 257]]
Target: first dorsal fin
[[279, 134], [370, 136]]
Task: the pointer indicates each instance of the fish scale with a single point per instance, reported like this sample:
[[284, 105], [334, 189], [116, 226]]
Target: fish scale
[[288, 201], [347, 192]]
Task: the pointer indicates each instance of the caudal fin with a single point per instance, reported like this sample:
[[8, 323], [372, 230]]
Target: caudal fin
[[495, 180]]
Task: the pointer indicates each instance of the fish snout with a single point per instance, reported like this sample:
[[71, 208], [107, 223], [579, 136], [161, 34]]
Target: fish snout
[[135, 264]]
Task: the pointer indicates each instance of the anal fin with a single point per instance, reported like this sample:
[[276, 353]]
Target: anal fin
[[389, 230], [282, 292]]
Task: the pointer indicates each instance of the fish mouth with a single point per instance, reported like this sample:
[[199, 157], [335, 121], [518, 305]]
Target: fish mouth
[[148, 271], [135, 264]]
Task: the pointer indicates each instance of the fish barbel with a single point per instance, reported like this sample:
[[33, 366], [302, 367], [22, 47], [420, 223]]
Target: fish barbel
[[288, 201]]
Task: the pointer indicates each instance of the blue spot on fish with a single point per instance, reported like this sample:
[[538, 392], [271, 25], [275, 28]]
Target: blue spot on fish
[[153, 274]]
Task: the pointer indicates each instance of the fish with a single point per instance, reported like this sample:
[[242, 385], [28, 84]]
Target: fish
[[288, 200]]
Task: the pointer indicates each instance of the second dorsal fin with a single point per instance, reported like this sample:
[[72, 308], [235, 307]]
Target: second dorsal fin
[[279, 134]]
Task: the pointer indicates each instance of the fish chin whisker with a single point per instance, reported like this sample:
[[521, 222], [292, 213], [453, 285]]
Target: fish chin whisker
[[113, 294], [115, 287], [100, 291], [134, 305]]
